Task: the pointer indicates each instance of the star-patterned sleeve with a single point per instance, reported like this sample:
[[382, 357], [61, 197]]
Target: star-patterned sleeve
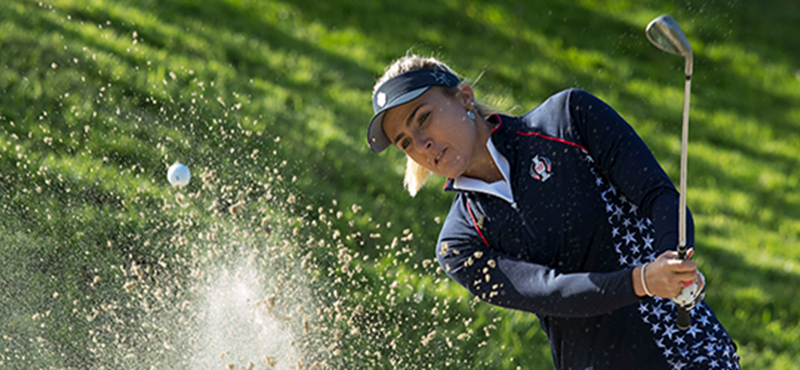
[[629, 164], [510, 282]]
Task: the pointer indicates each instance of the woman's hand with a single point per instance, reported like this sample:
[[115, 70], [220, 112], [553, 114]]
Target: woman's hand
[[667, 275]]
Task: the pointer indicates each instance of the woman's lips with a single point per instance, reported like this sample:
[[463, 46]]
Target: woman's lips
[[439, 156]]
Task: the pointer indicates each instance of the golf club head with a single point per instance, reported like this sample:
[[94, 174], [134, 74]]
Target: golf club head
[[667, 35]]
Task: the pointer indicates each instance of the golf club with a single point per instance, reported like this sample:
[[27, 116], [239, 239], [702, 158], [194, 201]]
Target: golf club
[[666, 34]]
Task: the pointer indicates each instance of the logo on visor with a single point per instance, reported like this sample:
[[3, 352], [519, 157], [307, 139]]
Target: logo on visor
[[381, 99], [541, 169], [440, 77]]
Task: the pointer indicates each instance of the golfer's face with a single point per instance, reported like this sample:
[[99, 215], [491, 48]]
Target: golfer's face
[[435, 131]]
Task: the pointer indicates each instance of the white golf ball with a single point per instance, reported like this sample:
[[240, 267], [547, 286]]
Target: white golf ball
[[178, 175]]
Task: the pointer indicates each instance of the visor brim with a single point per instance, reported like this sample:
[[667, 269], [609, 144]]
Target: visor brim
[[376, 137]]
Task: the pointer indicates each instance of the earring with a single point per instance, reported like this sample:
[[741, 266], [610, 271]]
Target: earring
[[471, 115]]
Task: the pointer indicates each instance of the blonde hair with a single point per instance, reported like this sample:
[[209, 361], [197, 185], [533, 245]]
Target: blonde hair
[[416, 175]]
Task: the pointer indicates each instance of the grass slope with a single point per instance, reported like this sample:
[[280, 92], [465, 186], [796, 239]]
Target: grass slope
[[97, 98]]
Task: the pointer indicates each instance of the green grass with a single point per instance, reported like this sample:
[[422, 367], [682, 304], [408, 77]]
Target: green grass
[[97, 98]]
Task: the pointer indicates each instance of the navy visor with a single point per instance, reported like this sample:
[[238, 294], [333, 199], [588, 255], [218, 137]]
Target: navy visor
[[399, 90]]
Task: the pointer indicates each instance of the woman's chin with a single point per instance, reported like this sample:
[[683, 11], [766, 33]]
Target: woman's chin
[[450, 170]]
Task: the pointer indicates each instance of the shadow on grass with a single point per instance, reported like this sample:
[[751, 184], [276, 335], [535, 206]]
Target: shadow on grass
[[756, 298]]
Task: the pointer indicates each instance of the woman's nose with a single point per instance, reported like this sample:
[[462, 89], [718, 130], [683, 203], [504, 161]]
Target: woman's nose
[[425, 143]]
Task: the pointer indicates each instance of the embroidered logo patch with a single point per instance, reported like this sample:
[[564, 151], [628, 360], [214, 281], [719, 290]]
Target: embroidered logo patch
[[541, 168]]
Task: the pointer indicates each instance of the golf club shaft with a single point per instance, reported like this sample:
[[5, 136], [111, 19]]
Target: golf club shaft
[[684, 320], [666, 34], [682, 243]]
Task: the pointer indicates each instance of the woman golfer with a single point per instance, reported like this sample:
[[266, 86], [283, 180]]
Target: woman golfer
[[562, 212]]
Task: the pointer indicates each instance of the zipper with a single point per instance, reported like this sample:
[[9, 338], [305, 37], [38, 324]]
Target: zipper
[[522, 219], [515, 207]]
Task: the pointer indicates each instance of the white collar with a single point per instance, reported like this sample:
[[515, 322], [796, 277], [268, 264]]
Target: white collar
[[500, 189]]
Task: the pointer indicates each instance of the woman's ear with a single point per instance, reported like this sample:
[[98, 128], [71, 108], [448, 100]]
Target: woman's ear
[[466, 96]]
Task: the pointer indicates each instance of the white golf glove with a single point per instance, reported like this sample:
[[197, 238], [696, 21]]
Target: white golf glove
[[691, 296]]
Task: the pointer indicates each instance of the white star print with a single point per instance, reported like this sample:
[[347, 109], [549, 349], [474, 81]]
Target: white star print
[[654, 329], [651, 257], [693, 331], [669, 331], [640, 224], [629, 238], [658, 311], [617, 212], [648, 242], [439, 76], [703, 344]]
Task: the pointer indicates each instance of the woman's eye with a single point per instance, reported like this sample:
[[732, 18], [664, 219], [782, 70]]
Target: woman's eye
[[405, 143], [423, 117]]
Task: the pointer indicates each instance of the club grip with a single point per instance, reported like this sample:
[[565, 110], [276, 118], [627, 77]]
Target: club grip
[[684, 320]]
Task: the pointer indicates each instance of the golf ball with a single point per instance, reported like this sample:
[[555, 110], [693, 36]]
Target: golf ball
[[178, 175]]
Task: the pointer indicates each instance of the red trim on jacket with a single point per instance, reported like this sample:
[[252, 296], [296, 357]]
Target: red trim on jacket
[[552, 138], [499, 122], [469, 208]]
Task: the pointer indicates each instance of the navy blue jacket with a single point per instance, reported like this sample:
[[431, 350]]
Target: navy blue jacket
[[590, 204]]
